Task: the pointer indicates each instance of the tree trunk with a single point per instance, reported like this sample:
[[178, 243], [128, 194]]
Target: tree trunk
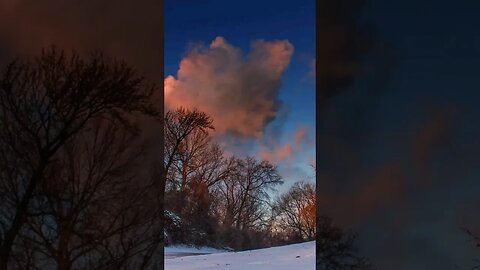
[[183, 185]]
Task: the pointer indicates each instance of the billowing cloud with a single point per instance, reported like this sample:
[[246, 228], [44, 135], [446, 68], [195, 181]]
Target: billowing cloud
[[239, 93]]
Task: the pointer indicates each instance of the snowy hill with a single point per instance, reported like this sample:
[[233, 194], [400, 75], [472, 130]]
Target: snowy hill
[[296, 256]]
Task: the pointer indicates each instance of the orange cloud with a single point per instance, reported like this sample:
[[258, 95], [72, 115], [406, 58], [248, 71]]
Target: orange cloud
[[284, 152], [300, 135], [432, 135], [240, 94], [277, 155], [380, 189]]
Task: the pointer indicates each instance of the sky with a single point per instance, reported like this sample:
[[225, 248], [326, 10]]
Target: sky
[[117, 28], [250, 66], [398, 136], [131, 33]]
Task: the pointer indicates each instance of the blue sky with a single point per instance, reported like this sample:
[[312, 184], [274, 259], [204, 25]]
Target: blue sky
[[240, 23]]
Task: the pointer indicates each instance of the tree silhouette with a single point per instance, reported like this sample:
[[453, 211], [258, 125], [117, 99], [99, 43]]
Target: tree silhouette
[[179, 124], [476, 241], [336, 249], [44, 102], [93, 210]]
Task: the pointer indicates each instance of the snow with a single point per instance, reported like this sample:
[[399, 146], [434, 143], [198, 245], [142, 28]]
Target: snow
[[184, 250], [296, 256], [175, 219], [191, 249]]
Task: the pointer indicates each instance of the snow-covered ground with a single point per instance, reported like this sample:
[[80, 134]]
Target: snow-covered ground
[[191, 249], [184, 250], [297, 256]]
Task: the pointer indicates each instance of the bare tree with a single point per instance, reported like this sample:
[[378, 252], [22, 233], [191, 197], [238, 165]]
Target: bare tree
[[93, 210], [336, 248], [203, 173], [201, 159], [295, 211], [476, 242], [195, 165], [245, 193], [196, 157], [179, 125], [207, 192], [44, 102]]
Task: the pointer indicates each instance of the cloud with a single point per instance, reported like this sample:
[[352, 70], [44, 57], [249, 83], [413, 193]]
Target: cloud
[[240, 94], [300, 135], [432, 135], [276, 153], [383, 188]]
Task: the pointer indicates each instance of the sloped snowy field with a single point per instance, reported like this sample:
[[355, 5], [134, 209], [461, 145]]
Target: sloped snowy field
[[297, 256]]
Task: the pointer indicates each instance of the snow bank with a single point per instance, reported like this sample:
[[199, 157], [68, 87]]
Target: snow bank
[[297, 256]]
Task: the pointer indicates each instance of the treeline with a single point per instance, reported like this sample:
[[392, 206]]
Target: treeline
[[222, 200]]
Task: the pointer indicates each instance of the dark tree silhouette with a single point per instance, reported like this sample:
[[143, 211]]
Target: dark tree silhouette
[[178, 125], [476, 242], [44, 102], [336, 248], [94, 208]]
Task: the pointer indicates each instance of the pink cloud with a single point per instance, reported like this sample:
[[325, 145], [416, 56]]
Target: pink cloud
[[300, 135], [277, 155], [240, 94]]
